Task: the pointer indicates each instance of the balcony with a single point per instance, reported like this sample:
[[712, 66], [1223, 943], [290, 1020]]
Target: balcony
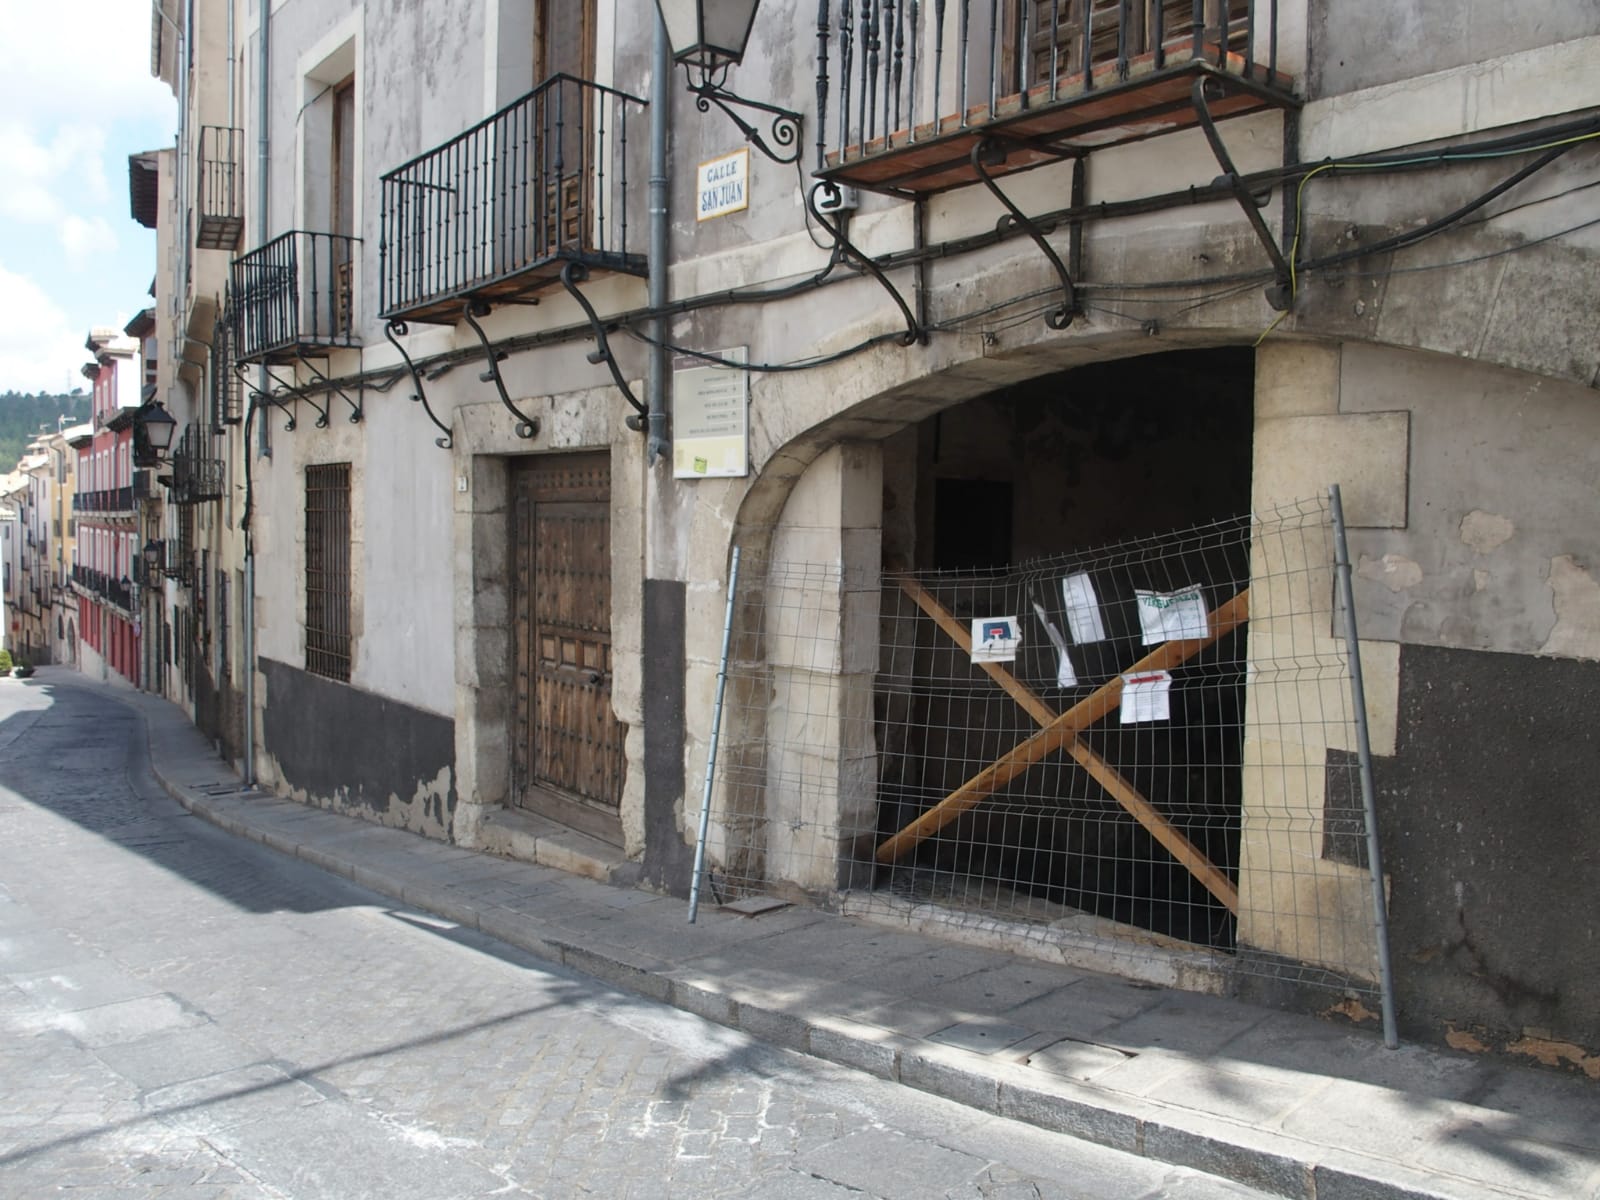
[[108, 501], [498, 211], [914, 90], [294, 298], [198, 473], [117, 592], [219, 201]]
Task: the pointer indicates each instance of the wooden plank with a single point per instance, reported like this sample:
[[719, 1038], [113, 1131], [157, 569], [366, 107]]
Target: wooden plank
[[1059, 733], [1107, 776]]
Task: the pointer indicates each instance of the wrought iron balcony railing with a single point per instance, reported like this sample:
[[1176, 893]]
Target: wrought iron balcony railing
[[180, 561], [104, 587], [105, 500], [497, 211], [294, 298], [219, 189], [198, 473], [913, 90]]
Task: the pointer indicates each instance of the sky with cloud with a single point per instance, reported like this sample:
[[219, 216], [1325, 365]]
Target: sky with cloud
[[76, 99]]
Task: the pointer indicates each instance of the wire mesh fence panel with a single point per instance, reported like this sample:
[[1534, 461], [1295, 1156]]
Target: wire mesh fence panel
[[1143, 745]]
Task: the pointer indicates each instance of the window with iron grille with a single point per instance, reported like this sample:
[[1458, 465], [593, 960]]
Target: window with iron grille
[[184, 572], [226, 405], [328, 570]]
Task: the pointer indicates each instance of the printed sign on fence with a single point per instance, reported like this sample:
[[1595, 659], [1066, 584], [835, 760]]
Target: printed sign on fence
[[995, 639], [1083, 609], [1146, 696], [1172, 616]]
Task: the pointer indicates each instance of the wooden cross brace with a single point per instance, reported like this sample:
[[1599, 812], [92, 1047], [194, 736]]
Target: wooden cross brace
[[1059, 731]]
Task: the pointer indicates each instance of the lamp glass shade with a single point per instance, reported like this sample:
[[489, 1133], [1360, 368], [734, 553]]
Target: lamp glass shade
[[158, 426], [708, 33]]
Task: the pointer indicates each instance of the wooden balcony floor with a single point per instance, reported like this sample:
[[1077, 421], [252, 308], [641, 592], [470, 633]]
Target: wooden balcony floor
[[1151, 101], [522, 285]]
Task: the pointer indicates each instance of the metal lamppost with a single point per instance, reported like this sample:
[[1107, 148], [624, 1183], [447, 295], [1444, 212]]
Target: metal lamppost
[[708, 37]]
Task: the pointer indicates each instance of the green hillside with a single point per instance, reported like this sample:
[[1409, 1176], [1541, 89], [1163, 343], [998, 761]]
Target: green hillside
[[23, 416]]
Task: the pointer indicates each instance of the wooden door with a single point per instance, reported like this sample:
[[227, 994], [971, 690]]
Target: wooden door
[[568, 744], [563, 45]]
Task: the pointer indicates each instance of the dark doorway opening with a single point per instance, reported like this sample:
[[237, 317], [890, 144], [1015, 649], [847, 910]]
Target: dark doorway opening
[[1116, 455]]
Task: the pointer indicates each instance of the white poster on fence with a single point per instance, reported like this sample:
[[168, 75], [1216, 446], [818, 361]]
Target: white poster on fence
[[1065, 676], [1083, 609], [1146, 696], [1172, 616], [995, 639]]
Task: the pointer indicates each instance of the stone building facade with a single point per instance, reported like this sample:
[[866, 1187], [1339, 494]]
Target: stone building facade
[[1235, 260]]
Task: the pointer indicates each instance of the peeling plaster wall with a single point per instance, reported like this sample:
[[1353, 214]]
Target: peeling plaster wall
[[1494, 553], [338, 747], [1471, 492]]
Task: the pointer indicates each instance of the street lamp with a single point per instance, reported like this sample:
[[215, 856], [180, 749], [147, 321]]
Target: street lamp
[[708, 37], [157, 425]]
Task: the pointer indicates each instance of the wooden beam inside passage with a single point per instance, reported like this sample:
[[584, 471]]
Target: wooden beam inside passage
[[1107, 776], [1060, 732]]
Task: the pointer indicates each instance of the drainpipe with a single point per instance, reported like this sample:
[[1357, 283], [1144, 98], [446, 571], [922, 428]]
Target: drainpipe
[[248, 615], [660, 118]]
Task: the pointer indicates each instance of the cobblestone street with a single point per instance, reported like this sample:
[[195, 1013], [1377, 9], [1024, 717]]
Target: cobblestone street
[[186, 1014]]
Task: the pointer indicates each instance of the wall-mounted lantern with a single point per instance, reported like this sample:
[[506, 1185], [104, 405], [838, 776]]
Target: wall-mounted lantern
[[708, 37], [154, 427]]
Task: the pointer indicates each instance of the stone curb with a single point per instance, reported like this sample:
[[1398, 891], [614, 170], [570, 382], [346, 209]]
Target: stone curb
[[1272, 1162]]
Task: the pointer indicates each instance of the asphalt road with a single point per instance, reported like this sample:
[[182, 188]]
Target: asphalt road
[[183, 1014]]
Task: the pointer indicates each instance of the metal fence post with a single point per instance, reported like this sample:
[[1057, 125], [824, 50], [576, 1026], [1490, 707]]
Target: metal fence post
[[1380, 908], [711, 754]]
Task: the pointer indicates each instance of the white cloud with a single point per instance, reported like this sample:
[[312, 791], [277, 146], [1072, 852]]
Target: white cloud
[[87, 60], [42, 175], [39, 348], [83, 240]]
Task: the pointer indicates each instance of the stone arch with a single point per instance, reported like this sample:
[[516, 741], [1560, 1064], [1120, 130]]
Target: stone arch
[[816, 498]]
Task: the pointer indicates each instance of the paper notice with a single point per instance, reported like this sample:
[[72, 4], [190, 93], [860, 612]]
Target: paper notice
[[1146, 697], [1083, 609], [995, 639], [1172, 616], [1065, 676]]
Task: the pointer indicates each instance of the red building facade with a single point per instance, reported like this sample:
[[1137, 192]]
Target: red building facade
[[107, 510]]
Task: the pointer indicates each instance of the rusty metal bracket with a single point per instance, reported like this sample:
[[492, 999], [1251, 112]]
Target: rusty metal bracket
[[527, 427], [1058, 318], [1281, 294], [572, 275], [847, 250], [394, 331]]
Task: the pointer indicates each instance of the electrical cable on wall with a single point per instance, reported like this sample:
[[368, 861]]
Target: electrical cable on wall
[[1551, 144]]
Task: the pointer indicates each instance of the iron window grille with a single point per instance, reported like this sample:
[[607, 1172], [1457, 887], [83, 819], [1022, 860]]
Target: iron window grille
[[328, 570], [227, 407]]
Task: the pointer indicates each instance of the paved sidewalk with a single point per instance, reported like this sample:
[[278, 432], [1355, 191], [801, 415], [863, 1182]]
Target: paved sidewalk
[[1288, 1104]]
